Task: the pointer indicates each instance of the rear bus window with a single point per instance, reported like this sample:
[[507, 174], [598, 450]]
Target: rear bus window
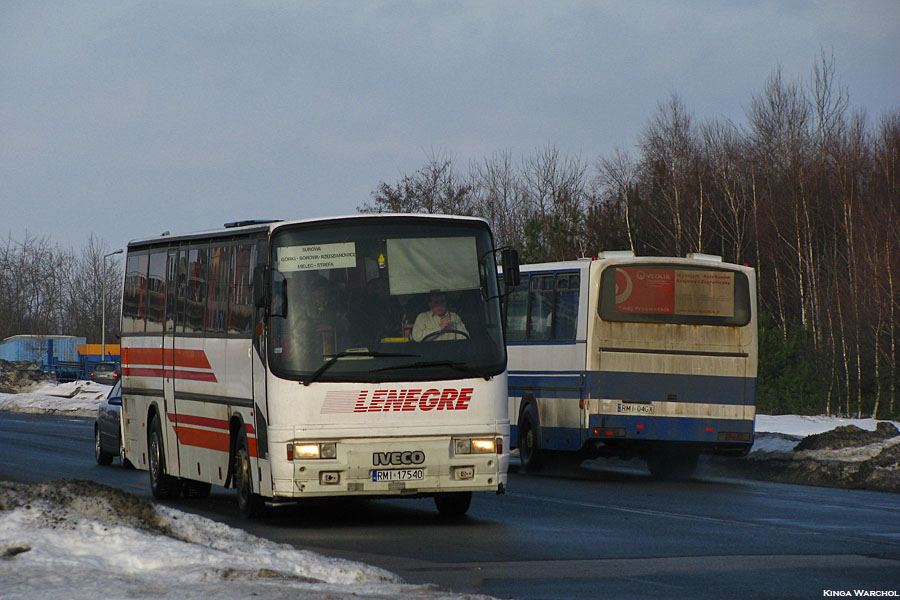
[[674, 294]]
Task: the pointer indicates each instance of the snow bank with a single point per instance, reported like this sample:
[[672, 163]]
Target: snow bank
[[82, 540], [76, 398]]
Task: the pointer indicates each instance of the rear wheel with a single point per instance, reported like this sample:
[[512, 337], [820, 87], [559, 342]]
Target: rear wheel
[[453, 504], [529, 440], [163, 486], [195, 489], [103, 458], [249, 504], [667, 462]]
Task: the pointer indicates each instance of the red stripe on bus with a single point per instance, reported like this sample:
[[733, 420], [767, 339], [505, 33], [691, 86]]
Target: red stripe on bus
[[201, 438], [195, 359], [200, 421], [211, 440], [178, 374], [196, 375], [209, 422]]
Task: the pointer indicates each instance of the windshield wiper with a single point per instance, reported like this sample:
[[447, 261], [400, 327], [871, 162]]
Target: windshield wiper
[[459, 366], [356, 353]]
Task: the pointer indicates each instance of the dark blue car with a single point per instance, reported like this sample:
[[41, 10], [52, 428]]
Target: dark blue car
[[107, 431]]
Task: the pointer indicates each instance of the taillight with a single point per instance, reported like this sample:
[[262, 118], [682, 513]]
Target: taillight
[[609, 431]]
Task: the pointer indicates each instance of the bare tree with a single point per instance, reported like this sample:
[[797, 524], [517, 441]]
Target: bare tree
[[500, 197], [618, 175], [436, 188], [670, 152]]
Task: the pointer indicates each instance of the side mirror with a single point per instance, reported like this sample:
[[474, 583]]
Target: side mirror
[[260, 297], [278, 305], [509, 259]]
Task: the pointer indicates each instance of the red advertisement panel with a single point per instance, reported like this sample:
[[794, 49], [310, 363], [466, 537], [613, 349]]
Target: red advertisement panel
[[645, 291]]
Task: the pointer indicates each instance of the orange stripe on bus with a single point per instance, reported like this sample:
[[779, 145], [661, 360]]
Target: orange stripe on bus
[[154, 356], [201, 438], [218, 440]]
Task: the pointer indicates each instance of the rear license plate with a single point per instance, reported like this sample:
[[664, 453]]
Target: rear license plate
[[635, 408], [399, 475]]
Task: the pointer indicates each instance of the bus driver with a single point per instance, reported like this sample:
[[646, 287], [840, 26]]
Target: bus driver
[[433, 322]]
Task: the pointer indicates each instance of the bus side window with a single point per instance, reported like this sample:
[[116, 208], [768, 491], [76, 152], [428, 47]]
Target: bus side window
[[240, 315], [517, 311], [565, 313], [134, 305], [195, 303], [540, 307], [219, 283], [156, 292], [181, 289]]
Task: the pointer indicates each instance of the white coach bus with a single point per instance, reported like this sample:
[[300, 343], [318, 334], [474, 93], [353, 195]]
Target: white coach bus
[[294, 360], [631, 356]]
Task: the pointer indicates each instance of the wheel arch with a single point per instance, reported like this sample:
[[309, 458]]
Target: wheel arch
[[235, 427]]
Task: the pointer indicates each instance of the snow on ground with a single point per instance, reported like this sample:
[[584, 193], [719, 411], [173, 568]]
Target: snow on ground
[[80, 540], [802, 426], [76, 398]]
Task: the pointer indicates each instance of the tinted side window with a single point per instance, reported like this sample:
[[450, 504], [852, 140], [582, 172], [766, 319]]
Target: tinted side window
[[240, 317], [156, 292], [565, 313], [134, 298], [181, 289], [219, 281], [517, 312], [195, 301], [540, 307]]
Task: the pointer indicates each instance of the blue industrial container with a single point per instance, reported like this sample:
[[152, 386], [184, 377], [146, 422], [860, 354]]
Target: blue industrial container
[[41, 349]]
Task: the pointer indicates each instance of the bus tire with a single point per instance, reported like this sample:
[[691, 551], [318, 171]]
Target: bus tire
[[103, 458], [453, 504], [195, 490], [529, 440], [162, 486], [250, 505], [668, 463]]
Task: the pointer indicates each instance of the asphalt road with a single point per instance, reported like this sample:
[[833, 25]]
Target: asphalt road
[[588, 533]]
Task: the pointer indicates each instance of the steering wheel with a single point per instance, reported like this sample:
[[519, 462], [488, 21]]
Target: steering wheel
[[441, 332]]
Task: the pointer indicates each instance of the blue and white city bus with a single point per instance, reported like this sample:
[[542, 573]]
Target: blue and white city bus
[[626, 356]]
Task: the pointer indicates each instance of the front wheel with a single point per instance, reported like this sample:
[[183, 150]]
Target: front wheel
[[529, 441], [453, 504], [162, 486], [249, 504]]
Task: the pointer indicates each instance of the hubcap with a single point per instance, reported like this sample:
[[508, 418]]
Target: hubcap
[[154, 457]]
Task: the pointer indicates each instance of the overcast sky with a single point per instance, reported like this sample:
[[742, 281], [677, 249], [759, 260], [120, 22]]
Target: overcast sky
[[127, 119]]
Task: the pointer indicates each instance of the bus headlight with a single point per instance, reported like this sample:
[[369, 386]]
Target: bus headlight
[[310, 451], [474, 446]]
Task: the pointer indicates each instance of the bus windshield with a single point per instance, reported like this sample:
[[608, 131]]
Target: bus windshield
[[682, 294], [396, 301]]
